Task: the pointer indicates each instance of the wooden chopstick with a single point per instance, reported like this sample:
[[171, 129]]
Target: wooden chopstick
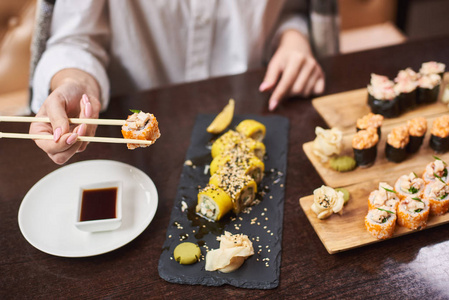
[[80, 138], [71, 120]]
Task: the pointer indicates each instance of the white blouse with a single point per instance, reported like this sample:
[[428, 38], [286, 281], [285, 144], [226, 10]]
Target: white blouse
[[137, 45]]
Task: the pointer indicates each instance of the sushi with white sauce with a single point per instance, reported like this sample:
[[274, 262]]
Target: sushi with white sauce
[[380, 222], [436, 170], [437, 193], [413, 212], [384, 196], [409, 186]]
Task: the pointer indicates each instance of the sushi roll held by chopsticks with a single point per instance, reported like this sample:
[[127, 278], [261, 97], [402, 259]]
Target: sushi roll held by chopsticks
[[141, 126]]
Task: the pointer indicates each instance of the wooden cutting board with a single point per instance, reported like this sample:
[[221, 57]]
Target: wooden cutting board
[[343, 109], [347, 231], [414, 163]]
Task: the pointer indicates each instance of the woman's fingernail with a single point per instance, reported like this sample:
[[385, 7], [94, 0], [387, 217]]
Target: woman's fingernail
[[81, 130], [85, 99], [272, 105], [72, 138], [57, 134], [88, 110], [263, 86]]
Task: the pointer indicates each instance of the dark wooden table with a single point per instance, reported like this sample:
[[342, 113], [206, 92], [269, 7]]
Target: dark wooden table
[[408, 267]]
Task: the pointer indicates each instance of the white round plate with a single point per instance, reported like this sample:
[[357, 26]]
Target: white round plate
[[47, 214]]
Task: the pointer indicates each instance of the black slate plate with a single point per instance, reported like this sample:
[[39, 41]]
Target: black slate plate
[[263, 224]]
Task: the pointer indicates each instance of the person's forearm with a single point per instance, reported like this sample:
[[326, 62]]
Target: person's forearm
[[296, 40], [84, 81]]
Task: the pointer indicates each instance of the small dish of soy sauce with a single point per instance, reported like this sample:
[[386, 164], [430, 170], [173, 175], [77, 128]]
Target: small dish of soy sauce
[[100, 207]]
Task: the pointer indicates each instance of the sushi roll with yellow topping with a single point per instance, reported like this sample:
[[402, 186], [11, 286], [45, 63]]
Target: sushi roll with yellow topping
[[234, 141], [252, 129], [241, 189], [213, 203]]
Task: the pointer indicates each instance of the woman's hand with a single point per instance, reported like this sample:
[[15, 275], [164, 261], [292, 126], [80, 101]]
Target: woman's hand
[[293, 70], [75, 94]]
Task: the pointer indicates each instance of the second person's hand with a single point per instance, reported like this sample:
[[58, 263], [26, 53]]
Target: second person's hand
[[292, 71]]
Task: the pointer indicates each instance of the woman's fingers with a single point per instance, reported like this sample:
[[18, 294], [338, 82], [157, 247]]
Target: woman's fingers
[[289, 75]]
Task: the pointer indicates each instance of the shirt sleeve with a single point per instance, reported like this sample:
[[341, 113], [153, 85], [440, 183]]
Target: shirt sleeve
[[293, 16], [79, 39]]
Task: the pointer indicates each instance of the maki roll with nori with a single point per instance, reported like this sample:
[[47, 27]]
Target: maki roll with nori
[[370, 120], [406, 83], [439, 139], [397, 141], [417, 129], [364, 144], [428, 89], [382, 97], [432, 67]]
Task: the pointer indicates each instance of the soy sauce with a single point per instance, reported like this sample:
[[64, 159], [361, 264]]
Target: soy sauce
[[98, 204]]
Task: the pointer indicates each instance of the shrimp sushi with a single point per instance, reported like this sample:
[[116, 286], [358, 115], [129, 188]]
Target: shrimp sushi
[[406, 83], [438, 168], [417, 129], [432, 67], [428, 88], [413, 212], [252, 129], [397, 141], [381, 222], [382, 98], [364, 144], [409, 186], [384, 196], [141, 126], [437, 193], [213, 203], [439, 138]]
